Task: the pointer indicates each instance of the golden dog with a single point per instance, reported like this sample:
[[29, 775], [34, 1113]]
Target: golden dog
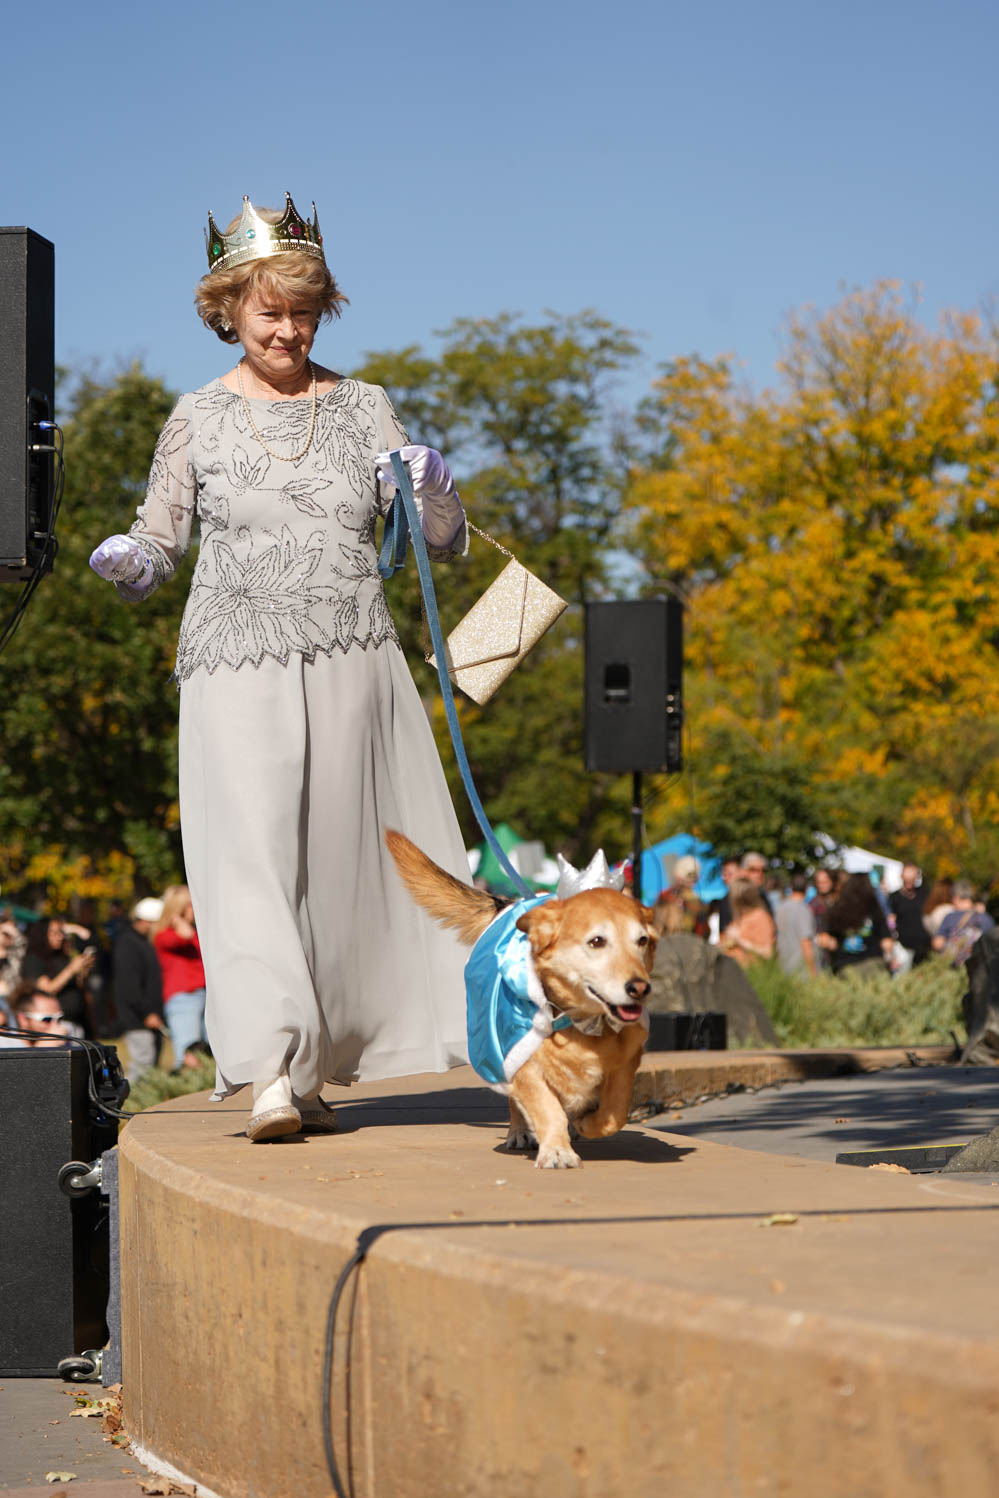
[[593, 954]]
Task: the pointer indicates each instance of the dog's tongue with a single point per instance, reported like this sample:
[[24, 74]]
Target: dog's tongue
[[630, 1011]]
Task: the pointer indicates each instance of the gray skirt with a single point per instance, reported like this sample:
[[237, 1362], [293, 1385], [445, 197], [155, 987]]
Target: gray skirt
[[315, 956]]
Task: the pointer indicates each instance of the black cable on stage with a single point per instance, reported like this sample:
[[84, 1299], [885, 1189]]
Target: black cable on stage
[[50, 546], [363, 1244]]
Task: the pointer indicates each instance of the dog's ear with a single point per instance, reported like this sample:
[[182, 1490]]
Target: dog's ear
[[542, 924]]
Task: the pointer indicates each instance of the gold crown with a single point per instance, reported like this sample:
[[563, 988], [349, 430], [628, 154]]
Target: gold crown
[[254, 239]]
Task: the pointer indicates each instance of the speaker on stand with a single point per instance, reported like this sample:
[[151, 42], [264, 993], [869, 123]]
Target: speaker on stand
[[634, 695], [27, 396]]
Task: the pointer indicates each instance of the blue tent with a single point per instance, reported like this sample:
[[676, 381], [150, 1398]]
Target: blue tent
[[658, 860]]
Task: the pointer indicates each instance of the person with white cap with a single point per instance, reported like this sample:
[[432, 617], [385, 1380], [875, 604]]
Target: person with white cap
[[679, 908], [138, 988]]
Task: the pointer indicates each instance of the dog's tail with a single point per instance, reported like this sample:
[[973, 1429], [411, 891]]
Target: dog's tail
[[452, 903]]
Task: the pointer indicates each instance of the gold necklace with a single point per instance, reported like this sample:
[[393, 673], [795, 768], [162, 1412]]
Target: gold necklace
[[285, 457]]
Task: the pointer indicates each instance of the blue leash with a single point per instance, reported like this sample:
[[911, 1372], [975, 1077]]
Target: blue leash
[[403, 525]]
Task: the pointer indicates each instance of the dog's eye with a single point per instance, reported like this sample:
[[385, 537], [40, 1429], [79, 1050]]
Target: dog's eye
[[597, 941], [643, 941]]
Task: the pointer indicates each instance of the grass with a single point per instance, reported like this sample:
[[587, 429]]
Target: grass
[[156, 1085], [923, 1007]]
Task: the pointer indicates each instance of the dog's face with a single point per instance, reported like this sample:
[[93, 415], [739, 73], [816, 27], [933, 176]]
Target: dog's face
[[593, 953]]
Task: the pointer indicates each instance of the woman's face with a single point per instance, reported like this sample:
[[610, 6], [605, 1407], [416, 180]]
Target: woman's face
[[56, 935], [187, 913], [823, 881], [277, 338]]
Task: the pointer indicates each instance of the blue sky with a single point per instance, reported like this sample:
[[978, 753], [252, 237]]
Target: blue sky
[[694, 172]]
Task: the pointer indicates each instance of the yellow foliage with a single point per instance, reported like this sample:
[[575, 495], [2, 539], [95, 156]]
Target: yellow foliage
[[109, 878], [837, 540]]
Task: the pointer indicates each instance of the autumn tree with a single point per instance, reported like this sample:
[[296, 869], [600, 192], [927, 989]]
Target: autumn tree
[[836, 539]]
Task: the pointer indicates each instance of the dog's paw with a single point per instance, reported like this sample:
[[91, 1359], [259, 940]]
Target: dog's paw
[[557, 1157], [520, 1139], [593, 1126]]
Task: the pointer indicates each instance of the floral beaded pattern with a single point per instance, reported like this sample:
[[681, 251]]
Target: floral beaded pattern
[[287, 562]]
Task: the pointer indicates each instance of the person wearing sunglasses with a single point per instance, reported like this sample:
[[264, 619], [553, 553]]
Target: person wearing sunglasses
[[35, 1010]]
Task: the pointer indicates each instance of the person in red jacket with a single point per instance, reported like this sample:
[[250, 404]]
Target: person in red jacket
[[179, 951]]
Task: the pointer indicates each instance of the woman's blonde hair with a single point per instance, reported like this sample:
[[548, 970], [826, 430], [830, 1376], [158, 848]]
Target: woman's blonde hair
[[288, 277], [175, 897]]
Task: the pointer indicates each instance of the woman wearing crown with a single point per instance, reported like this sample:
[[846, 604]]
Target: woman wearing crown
[[302, 735]]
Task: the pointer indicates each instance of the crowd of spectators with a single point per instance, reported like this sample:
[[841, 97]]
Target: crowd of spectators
[[139, 976], [136, 978], [828, 921]]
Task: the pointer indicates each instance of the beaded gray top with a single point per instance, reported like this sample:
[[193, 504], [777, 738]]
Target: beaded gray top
[[287, 561]]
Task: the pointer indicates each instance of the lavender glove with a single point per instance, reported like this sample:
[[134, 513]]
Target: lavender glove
[[433, 485], [121, 560]]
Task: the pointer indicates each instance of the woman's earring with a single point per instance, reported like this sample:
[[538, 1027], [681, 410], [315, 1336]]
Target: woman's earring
[[227, 327]]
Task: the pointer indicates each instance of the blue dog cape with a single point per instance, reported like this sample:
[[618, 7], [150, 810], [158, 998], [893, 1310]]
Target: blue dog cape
[[508, 1014]]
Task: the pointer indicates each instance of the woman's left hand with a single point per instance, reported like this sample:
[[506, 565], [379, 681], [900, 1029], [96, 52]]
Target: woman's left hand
[[427, 469], [442, 516]]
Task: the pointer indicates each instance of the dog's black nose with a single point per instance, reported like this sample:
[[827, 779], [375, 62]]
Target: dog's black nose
[[637, 988]]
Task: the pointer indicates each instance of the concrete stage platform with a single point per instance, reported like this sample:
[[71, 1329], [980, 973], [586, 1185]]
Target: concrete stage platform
[[643, 1326]]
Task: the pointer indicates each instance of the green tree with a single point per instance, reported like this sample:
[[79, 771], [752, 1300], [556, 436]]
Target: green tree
[[88, 719], [88, 779], [767, 802], [526, 416]]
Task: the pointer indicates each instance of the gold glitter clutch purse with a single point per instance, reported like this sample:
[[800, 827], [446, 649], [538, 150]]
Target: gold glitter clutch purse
[[500, 628]]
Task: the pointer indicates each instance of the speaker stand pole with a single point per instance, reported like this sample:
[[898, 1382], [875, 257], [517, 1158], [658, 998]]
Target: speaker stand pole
[[636, 835]]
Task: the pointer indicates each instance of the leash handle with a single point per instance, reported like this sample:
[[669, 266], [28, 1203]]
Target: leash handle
[[393, 556], [395, 538]]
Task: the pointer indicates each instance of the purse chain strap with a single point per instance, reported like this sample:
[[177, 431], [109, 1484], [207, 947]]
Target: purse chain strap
[[486, 537], [428, 654]]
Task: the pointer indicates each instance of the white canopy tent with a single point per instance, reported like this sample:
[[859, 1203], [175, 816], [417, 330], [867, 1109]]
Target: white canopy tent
[[862, 861]]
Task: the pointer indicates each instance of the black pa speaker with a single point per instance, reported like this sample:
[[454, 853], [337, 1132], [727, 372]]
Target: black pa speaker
[[634, 685], [54, 1249], [688, 1032], [27, 394]]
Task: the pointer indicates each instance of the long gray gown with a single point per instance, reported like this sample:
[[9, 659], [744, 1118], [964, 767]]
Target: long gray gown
[[302, 737]]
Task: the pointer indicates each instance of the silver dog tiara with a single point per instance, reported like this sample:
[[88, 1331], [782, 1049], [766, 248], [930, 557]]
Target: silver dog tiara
[[596, 875]]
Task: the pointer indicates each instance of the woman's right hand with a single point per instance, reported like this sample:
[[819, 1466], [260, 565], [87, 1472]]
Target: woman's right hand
[[119, 559]]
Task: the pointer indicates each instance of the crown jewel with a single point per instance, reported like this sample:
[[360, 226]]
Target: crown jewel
[[254, 239]]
